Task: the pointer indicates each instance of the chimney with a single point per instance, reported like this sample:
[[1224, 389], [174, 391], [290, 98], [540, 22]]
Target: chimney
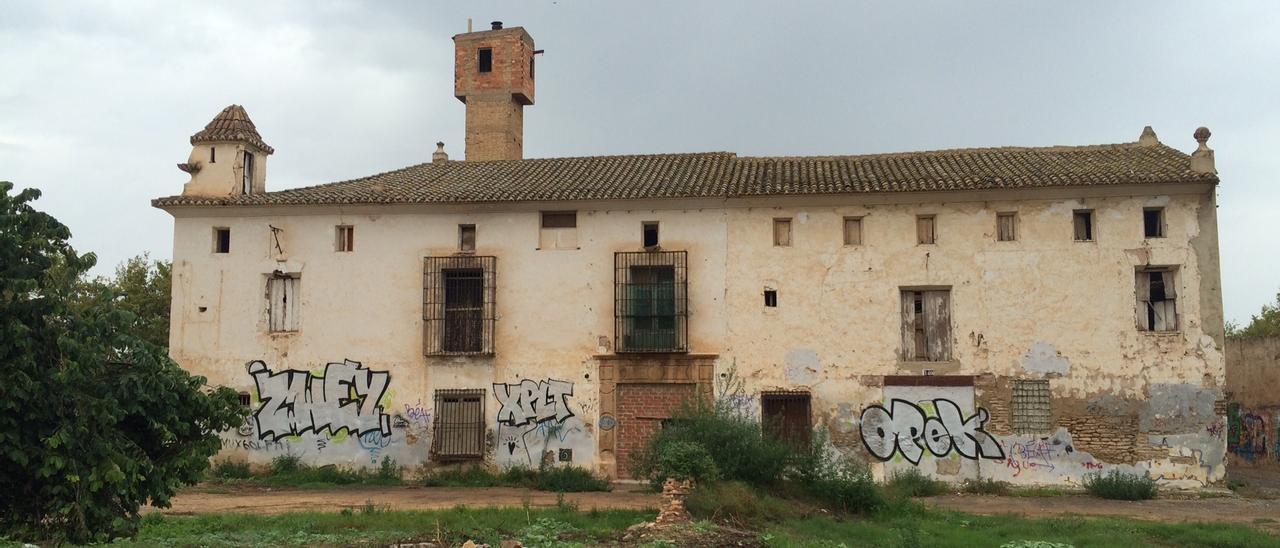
[[1202, 158], [439, 155], [493, 76], [1148, 137]]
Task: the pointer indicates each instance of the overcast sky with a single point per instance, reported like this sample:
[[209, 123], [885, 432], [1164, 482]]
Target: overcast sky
[[97, 99]]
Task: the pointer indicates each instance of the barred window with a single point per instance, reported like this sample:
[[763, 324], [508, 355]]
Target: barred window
[[1030, 406], [787, 417], [650, 301], [458, 425], [458, 305]]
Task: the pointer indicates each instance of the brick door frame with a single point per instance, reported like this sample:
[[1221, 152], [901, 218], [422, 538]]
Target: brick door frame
[[614, 369]]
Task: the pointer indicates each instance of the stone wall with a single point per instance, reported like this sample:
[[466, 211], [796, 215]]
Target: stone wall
[[1253, 407]]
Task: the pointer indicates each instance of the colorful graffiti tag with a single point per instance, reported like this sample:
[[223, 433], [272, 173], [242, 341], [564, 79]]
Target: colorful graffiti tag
[[906, 429], [294, 402]]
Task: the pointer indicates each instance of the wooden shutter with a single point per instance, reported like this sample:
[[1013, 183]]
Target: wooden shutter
[[782, 232], [275, 304], [1142, 292], [925, 230], [1005, 227], [937, 317], [908, 325]]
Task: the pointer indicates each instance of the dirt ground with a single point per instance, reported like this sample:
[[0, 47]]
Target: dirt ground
[[259, 500]]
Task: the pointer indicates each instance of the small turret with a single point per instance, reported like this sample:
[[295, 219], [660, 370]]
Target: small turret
[[228, 157]]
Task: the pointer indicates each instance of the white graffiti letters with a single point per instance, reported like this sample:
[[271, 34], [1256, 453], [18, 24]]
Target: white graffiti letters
[[533, 402], [346, 397], [907, 429]]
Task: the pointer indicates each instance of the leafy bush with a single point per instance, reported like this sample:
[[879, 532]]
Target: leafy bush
[[286, 464], [1119, 485], [685, 460], [985, 486], [737, 501], [568, 479], [913, 483], [845, 485], [734, 442], [387, 470], [229, 469], [95, 421]]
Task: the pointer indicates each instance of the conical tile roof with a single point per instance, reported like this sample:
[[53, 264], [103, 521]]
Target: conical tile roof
[[232, 124]]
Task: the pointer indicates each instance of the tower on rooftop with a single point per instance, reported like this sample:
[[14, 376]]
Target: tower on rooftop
[[493, 75], [228, 157]]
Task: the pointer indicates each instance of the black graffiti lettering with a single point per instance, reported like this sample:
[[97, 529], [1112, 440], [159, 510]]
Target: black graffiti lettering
[[533, 402]]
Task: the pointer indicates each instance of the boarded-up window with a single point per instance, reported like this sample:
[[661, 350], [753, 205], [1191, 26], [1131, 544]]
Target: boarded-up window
[[558, 230], [1006, 227], [222, 240], [926, 325], [1153, 222], [458, 425], [458, 305], [344, 238], [925, 230], [853, 231], [1157, 299], [1030, 406], [466, 238], [283, 302], [782, 232], [786, 416], [1082, 224]]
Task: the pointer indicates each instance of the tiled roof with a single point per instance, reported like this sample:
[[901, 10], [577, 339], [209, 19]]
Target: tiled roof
[[232, 124], [726, 175]]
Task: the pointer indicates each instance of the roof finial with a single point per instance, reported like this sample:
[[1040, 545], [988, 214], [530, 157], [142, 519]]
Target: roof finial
[[1202, 158], [439, 155], [1148, 137]]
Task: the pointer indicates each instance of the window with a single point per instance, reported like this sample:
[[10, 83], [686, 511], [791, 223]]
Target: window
[[245, 400], [248, 172], [787, 417], [486, 59], [1153, 222], [1030, 406], [531, 68], [782, 232], [925, 233], [222, 240], [283, 294], [771, 298], [1156, 300], [1006, 227], [853, 231], [458, 425], [926, 325], [559, 230], [650, 301], [213, 155], [466, 238], [458, 305], [344, 238], [649, 234], [1082, 219]]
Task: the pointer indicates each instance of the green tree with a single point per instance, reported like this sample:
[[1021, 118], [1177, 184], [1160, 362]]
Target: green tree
[[141, 287], [1264, 324], [95, 420]]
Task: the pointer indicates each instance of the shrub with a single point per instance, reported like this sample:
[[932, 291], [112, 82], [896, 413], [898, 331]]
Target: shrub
[[734, 442], [846, 485], [286, 464], [565, 479], [685, 460], [229, 469], [985, 486], [1119, 485], [474, 476], [736, 501], [387, 470], [569, 479], [913, 483]]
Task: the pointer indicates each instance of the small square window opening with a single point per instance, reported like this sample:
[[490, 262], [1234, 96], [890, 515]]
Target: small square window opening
[[771, 298], [853, 231], [782, 232], [345, 238], [222, 240], [1082, 221], [1153, 222], [245, 400], [466, 238], [926, 232], [486, 59], [1006, 227], [649, 234]]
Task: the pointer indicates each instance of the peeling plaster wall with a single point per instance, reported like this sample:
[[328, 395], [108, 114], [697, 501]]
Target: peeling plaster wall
[[1253, 407]]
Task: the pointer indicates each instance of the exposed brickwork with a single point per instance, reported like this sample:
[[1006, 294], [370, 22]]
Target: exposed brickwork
[[641, 408], [1109, 439], [495, 99]]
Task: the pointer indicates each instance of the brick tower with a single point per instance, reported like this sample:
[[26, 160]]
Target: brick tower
[[493, 75]]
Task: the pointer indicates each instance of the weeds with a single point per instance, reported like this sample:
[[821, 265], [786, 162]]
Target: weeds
[[913, 483], [565, 479], [985, 486], [228, 469], [289, 470], [1119, 485]]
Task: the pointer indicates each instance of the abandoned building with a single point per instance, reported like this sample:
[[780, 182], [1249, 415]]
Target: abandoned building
[[1023, 314]]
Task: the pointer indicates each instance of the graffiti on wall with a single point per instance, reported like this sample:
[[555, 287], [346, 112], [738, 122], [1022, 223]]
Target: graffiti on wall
[[1246, 432], [533, 413], [906, 429], [532, 402], [295, 402]]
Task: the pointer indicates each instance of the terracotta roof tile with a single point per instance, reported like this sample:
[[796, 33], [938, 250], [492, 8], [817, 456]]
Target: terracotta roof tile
[[726, 175], [232, 124]]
